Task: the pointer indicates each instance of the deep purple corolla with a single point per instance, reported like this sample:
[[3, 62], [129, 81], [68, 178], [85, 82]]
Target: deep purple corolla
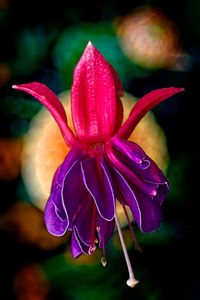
[[102, 165]]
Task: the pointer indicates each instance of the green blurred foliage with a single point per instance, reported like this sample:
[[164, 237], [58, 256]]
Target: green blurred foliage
[[178, 190], [82, 282], [22, 108], [32, 50]]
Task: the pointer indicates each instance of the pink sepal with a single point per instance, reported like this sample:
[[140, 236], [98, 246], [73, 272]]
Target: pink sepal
[[96, 106], [145, 104], [42, 93]]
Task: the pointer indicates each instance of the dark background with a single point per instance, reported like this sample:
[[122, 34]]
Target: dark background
[[42, 41]]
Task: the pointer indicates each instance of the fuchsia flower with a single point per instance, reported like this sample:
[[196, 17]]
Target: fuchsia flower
[[102, 165]]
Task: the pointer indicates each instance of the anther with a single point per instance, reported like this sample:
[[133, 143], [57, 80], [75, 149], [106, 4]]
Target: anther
[[154, 193], [103, 261], [98, 228], [132, 282], [96, 241], [92, 249], [138, 248]]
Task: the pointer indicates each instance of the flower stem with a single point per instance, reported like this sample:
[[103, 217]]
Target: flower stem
[[131, 281]]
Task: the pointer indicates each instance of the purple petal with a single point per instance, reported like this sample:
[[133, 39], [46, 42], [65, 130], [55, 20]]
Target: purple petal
[[136, 159], [128, 195], [77, 246], [163, 184], [54, 224], [101, 189], [74, 194], [55, 177], [128, 157], [83, 222], [132, 152], [106, 230], [150, 180], [151, 212], [161, 192], [56, 189], [147, 212], [154, 174], [57, 201], [55, 196], [75, 154]]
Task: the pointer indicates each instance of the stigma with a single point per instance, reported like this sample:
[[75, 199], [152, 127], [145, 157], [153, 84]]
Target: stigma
[[131, 282]]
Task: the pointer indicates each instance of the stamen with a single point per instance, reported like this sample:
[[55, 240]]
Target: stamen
[[131, 281], [79, 208], [92, 250], [103, 261], [137, 246], [153, 193], [99, 156], [98, 228], [121, 200], [93, 226], [96, 241], [103, 240], [92, 152]]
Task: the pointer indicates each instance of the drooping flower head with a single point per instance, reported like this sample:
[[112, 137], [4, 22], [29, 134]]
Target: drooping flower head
[[102, 165]]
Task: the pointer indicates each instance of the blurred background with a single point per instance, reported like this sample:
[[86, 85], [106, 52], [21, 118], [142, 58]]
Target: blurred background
[[151, 44]]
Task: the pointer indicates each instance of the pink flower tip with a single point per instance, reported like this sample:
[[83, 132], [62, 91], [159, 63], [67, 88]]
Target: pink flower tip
[[89, 44]]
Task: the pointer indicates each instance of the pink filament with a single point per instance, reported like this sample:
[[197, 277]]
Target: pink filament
[[131, 281], [93, 227], [127, 217], [130, 227], [77, 212], [103, 240], [99, 156]]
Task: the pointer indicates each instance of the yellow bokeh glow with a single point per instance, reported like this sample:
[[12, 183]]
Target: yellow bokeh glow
[[148, 38]]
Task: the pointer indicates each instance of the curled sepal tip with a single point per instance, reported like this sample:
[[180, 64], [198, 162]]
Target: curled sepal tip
[[42, 93], [143, 105]]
